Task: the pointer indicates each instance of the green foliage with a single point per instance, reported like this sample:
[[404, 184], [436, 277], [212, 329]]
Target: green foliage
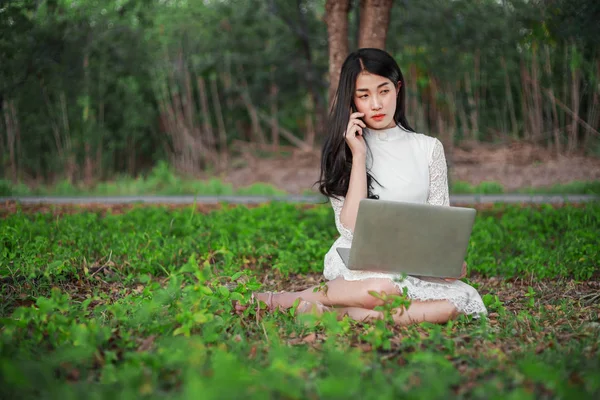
[[162, 180], [138, 305], [85, 80]]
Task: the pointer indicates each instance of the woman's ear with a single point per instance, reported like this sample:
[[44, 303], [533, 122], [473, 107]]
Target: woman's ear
[[398, 87]]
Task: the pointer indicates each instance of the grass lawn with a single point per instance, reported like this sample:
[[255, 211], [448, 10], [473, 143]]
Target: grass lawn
[[130, 302]]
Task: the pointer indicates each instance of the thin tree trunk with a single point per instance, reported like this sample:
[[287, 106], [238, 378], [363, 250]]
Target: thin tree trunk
[[310, 73], [70, 162], [511, 104], [207, 126], [130, 155], [258, 134], [593, 111], [472, 108], [537, 97], [451, 97], [555, 122], [309, 135], [223, 151], [374, 22], [9, 121], [565, 88], [99, 170], [336, 16], [475, 90], [88, 165], [188, 105], [575, 81], [462, 114], [528, 122], [594, 115], [274, 111]]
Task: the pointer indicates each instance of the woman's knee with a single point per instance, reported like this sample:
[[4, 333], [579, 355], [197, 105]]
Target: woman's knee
[[379, 286]]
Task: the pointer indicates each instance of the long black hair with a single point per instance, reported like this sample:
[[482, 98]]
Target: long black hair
[[336, 156]]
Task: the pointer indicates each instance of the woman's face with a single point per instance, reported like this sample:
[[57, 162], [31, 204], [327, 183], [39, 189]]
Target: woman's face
[[375, 96]]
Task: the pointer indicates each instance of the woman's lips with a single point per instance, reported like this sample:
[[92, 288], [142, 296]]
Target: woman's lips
[[378, 117]]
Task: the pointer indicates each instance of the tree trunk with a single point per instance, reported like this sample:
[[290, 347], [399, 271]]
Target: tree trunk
[[555, 122], [206, 125], [511, 105], [575, 81], [374, 22], [472, 108], [336, 17], [528, 123], [223, 153], [10, 123], [538, 129], [274, 111], [310, 73]]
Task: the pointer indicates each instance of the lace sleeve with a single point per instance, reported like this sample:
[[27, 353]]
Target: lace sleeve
[[337, 205], [438, 177]]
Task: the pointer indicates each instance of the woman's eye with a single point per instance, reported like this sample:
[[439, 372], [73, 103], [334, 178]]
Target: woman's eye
[[384, 91], [364, 96]]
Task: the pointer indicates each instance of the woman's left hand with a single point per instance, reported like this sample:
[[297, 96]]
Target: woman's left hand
[[462, 274]]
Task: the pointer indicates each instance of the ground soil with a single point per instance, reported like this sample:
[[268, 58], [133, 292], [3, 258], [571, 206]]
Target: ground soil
[[515, 166]]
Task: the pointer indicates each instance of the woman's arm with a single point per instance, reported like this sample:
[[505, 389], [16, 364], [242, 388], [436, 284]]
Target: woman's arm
[[438, 177], [357, 190]]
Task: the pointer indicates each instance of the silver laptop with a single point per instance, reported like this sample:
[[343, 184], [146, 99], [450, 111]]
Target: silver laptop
[[409, 238]]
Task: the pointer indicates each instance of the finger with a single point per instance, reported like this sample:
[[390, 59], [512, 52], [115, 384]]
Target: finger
[[357, 115], [352, 130], [360, 122]]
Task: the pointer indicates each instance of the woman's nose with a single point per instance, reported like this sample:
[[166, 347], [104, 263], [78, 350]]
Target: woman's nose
[[376, 104]]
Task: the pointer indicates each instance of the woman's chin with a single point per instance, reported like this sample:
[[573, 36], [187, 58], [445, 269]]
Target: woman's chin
[[378, 125]]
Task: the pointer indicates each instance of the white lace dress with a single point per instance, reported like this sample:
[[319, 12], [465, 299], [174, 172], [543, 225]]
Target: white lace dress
[[409, 167]]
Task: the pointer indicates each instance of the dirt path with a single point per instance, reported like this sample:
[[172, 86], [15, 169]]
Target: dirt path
[[515, 166]]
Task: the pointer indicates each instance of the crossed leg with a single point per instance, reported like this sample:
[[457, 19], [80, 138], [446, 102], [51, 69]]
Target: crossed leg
[[352, 298]]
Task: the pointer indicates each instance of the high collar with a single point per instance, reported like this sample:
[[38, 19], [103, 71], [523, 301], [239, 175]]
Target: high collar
[[388, 134]]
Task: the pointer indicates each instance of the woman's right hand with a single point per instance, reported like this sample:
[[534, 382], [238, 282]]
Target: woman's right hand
[[354, 135]]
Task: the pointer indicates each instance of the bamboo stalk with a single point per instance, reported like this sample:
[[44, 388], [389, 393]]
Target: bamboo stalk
[[99, 164], [257, 131], [451, 99], [555, 121], [10, 138], [188, 104], [528, 118], [69, 151], [309, 134], [509, 96], [537, 97], [274, 111], [594, 114], [223, 151], [575, 82], [472, 108], [207, 126], [477, 87]]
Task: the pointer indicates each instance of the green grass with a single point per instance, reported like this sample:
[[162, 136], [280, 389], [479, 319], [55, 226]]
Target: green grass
[[100, 304], [163, 181], [490, 187]]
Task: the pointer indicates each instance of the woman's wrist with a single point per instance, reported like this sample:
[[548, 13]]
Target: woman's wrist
[[359, 158]]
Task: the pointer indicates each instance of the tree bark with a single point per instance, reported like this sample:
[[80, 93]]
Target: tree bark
[[336, 17], [374, 22]]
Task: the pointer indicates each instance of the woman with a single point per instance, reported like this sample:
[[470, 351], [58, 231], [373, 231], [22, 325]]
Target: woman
[[371, 151]]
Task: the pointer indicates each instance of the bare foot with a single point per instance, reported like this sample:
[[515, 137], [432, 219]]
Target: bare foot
[[255, 301], [307, 307]]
